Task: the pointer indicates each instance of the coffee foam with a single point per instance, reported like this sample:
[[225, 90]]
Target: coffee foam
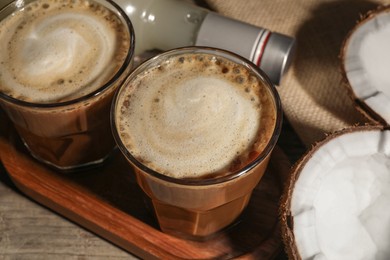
[[194, 116], [51, 48]]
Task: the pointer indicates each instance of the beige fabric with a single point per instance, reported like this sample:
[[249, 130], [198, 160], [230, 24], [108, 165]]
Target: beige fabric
[[312, 94]]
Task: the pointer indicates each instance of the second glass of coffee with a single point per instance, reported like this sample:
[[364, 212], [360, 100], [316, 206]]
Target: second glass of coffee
[[198, 125], [61, 62]]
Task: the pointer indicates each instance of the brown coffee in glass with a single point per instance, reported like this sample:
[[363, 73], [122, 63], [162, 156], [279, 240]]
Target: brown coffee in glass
[[60, 64], [198, 124]]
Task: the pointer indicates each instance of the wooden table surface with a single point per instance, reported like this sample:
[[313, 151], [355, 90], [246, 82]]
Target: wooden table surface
[[31, 231]]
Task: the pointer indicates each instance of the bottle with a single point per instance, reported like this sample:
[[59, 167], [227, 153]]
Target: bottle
[[168, 24]]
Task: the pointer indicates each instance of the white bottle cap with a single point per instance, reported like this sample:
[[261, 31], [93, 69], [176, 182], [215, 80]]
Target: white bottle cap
[[272, 52]]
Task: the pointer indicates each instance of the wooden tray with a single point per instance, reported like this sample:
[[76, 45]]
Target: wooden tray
[[108, 202]]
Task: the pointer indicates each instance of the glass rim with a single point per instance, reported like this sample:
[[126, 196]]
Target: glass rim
[[127, 61], [199, 181]]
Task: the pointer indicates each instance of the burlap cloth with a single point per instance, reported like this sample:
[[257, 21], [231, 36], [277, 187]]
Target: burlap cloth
[[313, 98]]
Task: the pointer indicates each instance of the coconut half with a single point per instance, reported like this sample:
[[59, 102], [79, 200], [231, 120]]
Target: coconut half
[[365, 57], [337, 201]]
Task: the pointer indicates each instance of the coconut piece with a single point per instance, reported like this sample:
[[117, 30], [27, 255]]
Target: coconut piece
[[337, 202], [365, 57]]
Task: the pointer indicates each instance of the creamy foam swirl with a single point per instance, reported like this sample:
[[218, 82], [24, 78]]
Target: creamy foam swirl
[[57, 51], [193, 117]]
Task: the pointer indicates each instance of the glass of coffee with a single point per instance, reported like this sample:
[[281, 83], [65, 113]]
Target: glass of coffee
[[198, 125], [60, 64]]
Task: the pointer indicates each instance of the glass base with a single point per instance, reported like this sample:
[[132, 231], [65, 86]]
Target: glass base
[[211, 236], [71, 168]]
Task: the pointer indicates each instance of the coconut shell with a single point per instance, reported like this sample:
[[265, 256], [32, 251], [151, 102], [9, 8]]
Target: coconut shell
[[286, 219], [361, 106]]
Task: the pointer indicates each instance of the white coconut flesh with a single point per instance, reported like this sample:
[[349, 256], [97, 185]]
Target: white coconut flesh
[[340, 205], [367, 62]]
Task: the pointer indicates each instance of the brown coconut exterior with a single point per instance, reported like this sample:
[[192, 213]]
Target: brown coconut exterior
[[286, 220], [360, 105]]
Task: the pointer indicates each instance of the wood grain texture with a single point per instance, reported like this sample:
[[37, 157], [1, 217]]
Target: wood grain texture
[[108, 202], [30, 231]]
